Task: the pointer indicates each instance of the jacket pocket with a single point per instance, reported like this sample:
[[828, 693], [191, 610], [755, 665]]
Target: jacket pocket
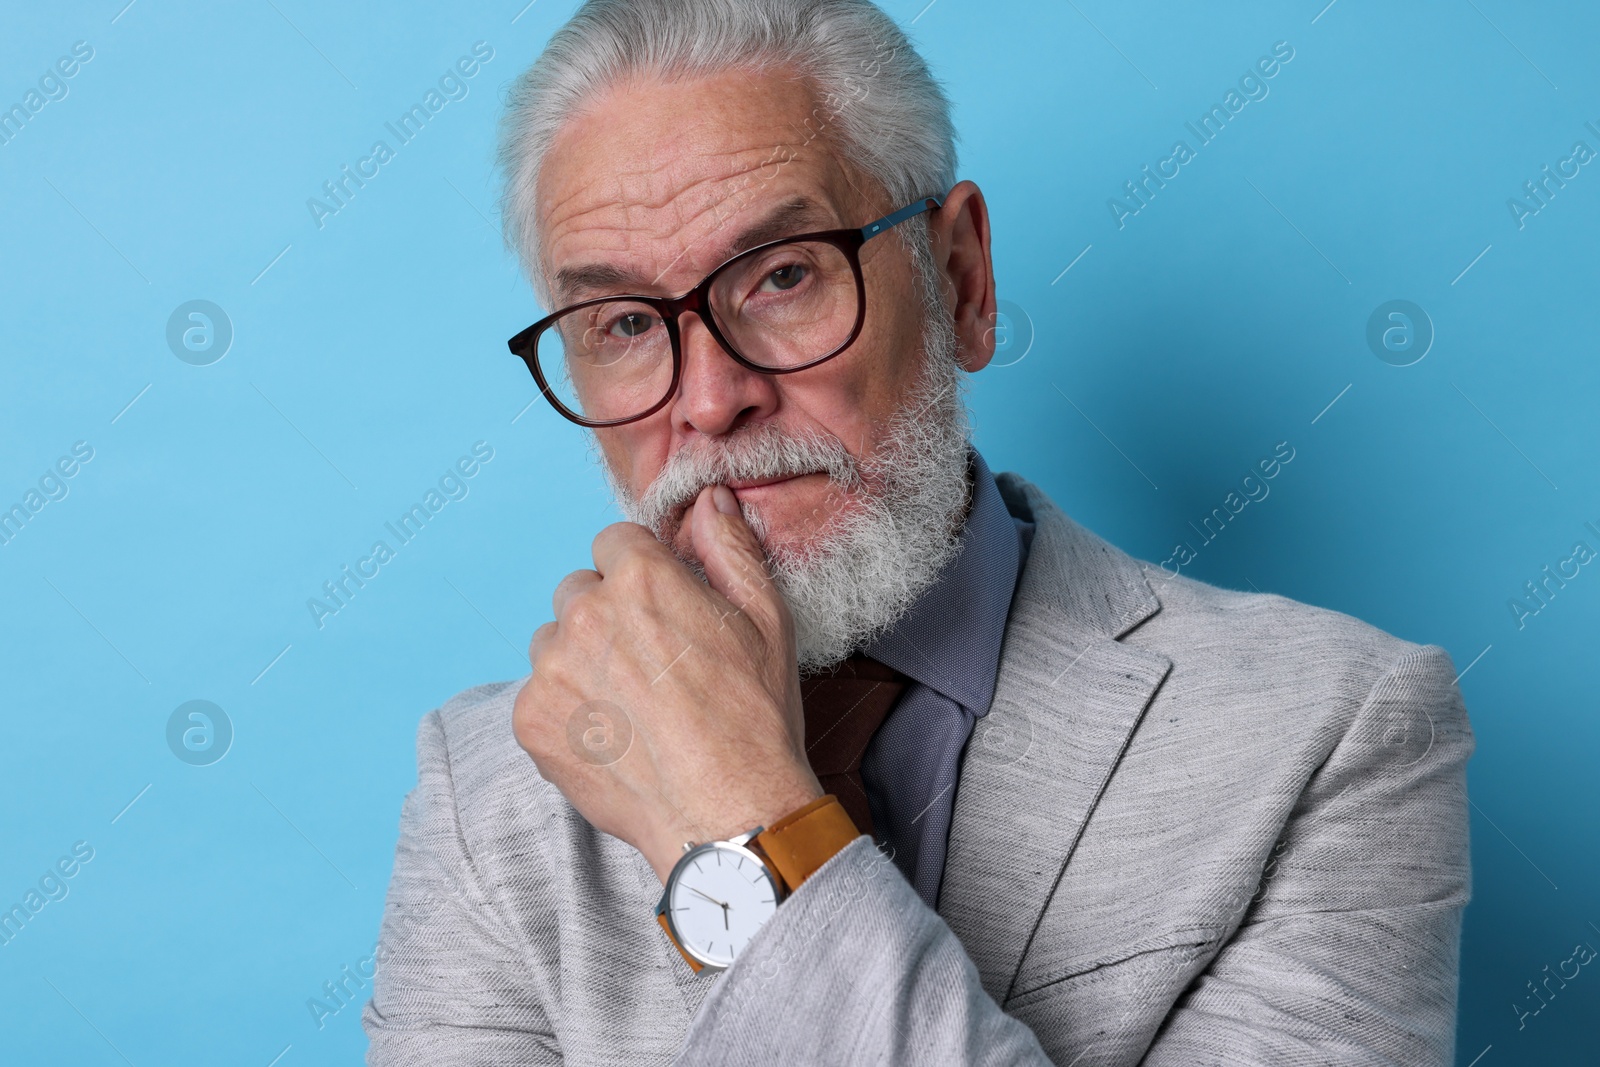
[[1109, 1012]]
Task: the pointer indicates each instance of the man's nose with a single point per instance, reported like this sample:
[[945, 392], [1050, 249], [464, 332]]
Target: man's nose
[[716, 393]]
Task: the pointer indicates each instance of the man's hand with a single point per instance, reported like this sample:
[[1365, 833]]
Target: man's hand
[[665, 710]]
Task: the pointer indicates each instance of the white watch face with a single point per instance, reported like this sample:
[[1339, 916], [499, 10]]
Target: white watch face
[[718, 898]]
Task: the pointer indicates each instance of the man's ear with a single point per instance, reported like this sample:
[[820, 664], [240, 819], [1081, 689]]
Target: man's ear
[[959, 233]]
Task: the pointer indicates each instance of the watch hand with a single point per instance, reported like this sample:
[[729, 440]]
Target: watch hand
[[725, 925], [713, 899]]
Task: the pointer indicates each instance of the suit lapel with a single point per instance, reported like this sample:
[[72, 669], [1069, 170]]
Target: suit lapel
[[1068, 697]]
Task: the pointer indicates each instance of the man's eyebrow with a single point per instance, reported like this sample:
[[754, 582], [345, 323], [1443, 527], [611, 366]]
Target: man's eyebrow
[[599, 279], [788, 218], [594, 278]]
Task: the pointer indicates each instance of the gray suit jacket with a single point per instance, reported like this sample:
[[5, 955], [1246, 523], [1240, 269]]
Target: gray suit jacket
[[1196, 827]]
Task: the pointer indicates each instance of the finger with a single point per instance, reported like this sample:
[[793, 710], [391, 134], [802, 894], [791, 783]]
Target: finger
[[540, 640], [733, 560], [571, 586], [620, 540]]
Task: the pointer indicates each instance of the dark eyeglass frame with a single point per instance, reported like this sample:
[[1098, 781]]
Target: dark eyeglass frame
[[525, 345]]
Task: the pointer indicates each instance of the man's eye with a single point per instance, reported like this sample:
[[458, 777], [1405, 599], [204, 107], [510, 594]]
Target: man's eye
[[631, 325], [785, 278]]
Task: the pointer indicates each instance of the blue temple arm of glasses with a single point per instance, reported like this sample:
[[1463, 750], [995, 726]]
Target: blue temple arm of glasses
[[927, 203]]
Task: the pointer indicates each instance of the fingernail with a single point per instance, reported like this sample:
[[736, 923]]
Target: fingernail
[[724, 499]]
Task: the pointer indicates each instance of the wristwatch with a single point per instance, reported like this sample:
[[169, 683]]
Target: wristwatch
[[721, 892]]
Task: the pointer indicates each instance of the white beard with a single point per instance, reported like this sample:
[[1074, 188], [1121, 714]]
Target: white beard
[[899, 525]]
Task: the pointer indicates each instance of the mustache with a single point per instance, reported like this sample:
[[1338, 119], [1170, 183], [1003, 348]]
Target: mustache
[[757, 453]]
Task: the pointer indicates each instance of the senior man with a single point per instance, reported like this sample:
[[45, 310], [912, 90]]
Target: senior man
[[847, 750]]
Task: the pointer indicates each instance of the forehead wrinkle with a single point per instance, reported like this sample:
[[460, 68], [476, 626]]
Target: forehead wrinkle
[[632, 188], [791, 212], [729, 246], [634, 208], [633, 201], [631, 239]]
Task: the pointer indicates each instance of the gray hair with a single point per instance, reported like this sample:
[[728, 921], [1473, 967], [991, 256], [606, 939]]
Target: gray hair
[[877, 98]]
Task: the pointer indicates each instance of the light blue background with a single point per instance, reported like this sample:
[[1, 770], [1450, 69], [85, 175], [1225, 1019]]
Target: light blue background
[[1223, 318]]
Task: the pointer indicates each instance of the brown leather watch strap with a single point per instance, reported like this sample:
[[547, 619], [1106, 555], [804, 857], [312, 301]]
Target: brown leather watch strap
[[795, 847], [694, 964], [803, 840]]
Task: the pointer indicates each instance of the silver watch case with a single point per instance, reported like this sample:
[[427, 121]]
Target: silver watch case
[[739, 846]]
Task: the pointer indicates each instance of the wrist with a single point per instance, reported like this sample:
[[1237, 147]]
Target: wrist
[[665, 851], [747, 876]]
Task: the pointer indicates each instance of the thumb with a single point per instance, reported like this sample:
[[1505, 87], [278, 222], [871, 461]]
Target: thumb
[[733, 560]]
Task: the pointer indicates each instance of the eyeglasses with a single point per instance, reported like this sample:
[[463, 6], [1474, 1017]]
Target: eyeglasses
[[777, 308]]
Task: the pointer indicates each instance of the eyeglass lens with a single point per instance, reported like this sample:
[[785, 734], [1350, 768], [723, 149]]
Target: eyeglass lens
[[778, 307]]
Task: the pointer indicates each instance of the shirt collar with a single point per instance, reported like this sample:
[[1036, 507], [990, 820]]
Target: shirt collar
[[949, 639]]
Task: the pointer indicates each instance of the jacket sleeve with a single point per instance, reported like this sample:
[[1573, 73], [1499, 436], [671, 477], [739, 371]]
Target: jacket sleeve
[[1350, 954], [451, 985], [855, 969]]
